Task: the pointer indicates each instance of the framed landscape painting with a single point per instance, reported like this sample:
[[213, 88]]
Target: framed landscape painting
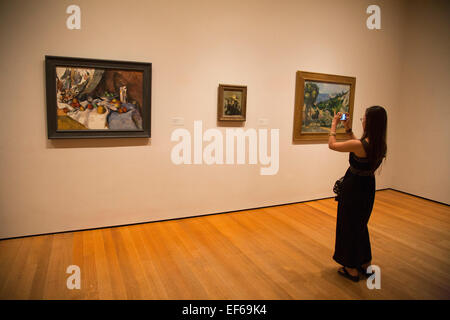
[[232, 103], [88, 98], [318, 97]]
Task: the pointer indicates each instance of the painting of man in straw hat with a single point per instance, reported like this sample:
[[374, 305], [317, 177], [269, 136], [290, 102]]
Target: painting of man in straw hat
[[232, 103]]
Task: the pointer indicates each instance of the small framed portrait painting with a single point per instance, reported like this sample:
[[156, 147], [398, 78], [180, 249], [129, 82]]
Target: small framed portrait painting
[[232, 104]]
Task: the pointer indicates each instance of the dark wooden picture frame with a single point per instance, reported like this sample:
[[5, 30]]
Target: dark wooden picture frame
[[232, 107], [130, 115], [321, 109]]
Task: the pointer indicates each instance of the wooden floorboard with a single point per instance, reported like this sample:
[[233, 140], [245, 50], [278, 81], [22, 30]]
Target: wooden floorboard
[[282, 252]]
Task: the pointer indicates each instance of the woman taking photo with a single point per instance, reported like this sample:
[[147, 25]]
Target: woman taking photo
[[357, 194]]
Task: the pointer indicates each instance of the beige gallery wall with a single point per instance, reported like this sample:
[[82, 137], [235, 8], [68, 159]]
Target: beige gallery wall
[[422, 132], [50, 186]]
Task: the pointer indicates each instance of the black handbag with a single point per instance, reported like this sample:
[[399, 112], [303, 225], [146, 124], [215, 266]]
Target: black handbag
[[338, 188]]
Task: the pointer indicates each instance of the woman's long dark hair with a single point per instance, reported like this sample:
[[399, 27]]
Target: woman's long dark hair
[[375, 130]]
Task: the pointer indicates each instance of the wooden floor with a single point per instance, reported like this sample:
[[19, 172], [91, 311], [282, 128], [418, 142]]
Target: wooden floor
[[273, 253]]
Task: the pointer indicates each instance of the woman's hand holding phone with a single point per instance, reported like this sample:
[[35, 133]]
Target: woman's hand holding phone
[[337, 117], [346, 120], [342, 117]]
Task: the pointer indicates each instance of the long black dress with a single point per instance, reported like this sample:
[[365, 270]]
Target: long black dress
[[352, 247]]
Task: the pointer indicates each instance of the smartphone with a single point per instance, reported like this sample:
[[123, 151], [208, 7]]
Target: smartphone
[[344, 117]]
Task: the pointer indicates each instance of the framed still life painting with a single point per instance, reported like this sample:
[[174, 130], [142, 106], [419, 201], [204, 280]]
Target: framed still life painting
[[88, 98], [318, 97], [232, 103]]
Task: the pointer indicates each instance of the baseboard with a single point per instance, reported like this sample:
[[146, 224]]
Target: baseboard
[[415, 195], [179, 218]]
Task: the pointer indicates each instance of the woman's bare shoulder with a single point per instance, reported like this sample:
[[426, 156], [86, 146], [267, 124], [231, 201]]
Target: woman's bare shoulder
[[360, 151]]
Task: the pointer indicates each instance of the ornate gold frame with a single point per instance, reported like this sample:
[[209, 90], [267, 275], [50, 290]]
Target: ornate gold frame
[[301, 76]]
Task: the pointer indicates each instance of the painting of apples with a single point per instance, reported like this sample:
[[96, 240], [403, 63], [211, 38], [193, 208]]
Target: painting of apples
[[89, 98]]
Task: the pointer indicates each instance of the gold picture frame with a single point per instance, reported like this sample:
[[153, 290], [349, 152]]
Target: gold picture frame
[[232, 103], [318, 97]]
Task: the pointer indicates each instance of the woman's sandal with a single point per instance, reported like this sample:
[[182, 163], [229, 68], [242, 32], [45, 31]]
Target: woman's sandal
[[364, 272], [343, 272]]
